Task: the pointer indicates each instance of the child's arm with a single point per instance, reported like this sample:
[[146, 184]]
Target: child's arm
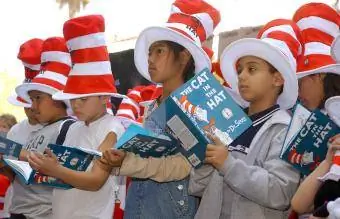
[[91, 180], [303, 199], [271, 185], [199, 179], [164, 169]]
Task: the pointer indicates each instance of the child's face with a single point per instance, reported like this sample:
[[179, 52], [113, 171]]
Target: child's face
[[4, 127], [31, 116], [255, 79], [311, 91], [88, 109], [43, 106], [162, 63]]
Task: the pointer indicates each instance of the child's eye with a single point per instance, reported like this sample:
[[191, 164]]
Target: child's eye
[[160, 51], [252, 69], [83, 99]]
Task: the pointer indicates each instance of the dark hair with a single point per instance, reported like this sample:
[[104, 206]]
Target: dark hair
[[331, 87], [189, 70]]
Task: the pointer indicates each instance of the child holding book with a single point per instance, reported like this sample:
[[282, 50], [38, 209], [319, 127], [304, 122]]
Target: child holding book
[[89, 87], [317, 70], [248, 179], [34, 201]]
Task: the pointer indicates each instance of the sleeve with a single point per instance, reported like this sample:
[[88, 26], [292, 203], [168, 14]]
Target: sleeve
[[114, 126], [12, 132], [199, 180], [272, 184], [164, 169]]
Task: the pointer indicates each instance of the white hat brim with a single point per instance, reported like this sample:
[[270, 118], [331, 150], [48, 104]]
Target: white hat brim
[[267, 52], [15, 102], [153, 34], [68, 96], [332, 107], [335, 49], [334, 68]]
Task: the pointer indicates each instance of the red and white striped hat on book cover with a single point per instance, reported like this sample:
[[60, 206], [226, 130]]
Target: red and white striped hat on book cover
[[319, 25], [191, 22], [29, 54], [279, 43], [91, 71], [55, 67]]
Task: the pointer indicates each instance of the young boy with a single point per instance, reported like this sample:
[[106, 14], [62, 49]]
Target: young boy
[[89, 87], [35, 201], [247, 179]]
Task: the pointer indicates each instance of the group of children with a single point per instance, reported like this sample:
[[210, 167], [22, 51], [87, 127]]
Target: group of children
[[68, 84]]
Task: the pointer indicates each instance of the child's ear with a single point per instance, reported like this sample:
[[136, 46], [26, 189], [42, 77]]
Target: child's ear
[[184, 57], [278, 79]]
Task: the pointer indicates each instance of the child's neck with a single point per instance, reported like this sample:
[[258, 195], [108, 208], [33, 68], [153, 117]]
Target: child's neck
[[170, 86], [260, 105], [32, 122], [58, 116], [95, 117]]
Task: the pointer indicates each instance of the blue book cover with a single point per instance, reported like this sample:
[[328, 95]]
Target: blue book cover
[[198, 107], [9, 148], [309, 146], [75, 158], [145, 143]]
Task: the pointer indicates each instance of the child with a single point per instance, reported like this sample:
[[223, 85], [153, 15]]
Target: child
[[248, 179], [34, 201], [7, 121], [89, 87], [317, 70]]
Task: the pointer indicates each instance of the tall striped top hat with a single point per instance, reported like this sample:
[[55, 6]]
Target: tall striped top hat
[[319, 25], [55, 67], [190, 23], [91, 71], [278, 43], [29, 54]]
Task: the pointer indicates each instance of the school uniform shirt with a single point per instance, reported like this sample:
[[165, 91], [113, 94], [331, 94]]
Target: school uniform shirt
[[35, 201], [81, 204]]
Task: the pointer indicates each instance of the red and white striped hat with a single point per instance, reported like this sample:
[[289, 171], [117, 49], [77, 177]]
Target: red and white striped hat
[[91, 71], [335, 49], [319, 25], [55, 67], [29, 54], [278, 43], [190, 23]]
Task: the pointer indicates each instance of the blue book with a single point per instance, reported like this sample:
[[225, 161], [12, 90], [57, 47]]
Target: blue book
[[145, 143], [9, 148], [307, 145], [198, 107], [75, 158]]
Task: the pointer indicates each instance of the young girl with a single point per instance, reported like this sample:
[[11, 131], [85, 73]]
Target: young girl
[[317, 70], [250, 180]]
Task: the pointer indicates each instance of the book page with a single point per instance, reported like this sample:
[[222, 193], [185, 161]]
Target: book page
[[22, 167], [301, 115], [90, 151]]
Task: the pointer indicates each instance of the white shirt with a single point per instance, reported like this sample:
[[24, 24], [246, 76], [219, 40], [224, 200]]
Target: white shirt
[[80, 204]]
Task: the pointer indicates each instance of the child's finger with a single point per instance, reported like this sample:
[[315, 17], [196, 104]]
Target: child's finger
[[33, 164], [209, 160], [209, 153], [50, 153], [118, 153], [334, 138]]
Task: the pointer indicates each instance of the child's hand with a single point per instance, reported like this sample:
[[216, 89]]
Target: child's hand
[[216, 153], [332, 148], [44, 163], [114, 157]]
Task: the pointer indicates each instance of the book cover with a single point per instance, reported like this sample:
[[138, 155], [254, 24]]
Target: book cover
[[198, 107], [145, 143], [9, 148], [309, 146]]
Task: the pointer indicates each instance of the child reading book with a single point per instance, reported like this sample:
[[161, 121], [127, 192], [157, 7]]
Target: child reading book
[[248, 179]]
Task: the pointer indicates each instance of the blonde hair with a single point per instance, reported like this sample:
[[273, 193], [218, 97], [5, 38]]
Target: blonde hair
[[9, 119]]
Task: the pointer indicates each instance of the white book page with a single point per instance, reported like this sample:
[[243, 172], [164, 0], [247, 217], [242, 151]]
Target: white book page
[[22, 167], [301, 114], [90, 151]]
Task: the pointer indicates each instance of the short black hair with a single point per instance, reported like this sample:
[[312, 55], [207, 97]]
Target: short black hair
[[189, 70], [331, 87]]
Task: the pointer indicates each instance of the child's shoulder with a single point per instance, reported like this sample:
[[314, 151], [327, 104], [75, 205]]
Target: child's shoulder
[[281, 117]]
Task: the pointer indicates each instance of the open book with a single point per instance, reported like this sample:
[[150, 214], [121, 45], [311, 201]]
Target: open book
[[9, 148], [75, 158]]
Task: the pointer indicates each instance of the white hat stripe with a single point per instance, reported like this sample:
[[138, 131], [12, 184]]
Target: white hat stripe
[[207, 23], [283, 28], [135, 92], [131, 102], [175, 10], [30, 66], [319, 23], [53, 76], [87, 41], [91, 68], [56, 56], [184, 28], [283, 47], [317, 48], [125, 112]]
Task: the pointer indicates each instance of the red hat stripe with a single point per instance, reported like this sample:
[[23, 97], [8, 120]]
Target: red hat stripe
[[315, 35], [314, 61], [189, 24], [126, 113], [92, 69], [182, 28], [22, 100], [207, 23], [48, 82], [87, 41], [56, 56], [58, 67], [281, 28], [292, 43], [82, 26], [133, 109], [61, 79], [90, 55], [91, 84], [131, 103], [320, 24]]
